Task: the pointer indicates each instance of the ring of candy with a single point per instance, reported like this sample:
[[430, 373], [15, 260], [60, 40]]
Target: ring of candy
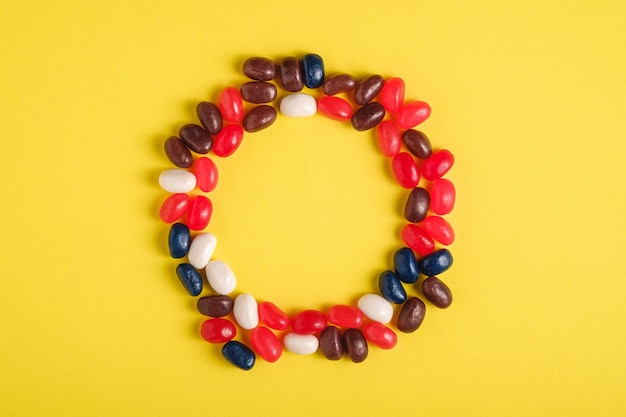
[[373, 103]]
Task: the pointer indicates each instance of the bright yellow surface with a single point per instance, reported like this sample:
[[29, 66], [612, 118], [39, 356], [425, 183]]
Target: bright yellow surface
[[529, 96]]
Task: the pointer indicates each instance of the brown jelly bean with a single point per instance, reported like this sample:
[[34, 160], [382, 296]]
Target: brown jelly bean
[[417, 143], [355, 344], [338, 83], [196, 138], [331, 343], [258, 92], [437, 292], [258, 68], [290, 74], [215, 305], [259, 118], [411, 315], [210, 117], [417, 205], [368, 88], [368, 116], [178, 153]]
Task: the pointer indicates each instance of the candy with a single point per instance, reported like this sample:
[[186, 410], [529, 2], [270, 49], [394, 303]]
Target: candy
[[405, 265], [228, 140], [298, 105], [220, 277], [206, 174], [259, 118], [437, 165], [417, 239], [199, 212], [266, 344], [417, 204], [368, 116], [179, 240], [290, 74], [210, 117], [302, 344], [392, 94], [273, 316], [389, 138], [442, 196], [308, 322], [437, 292], [391, 288], [338, 83], [417, 143], [345, 316], [258, 92], [239, 355], [215, 305], [435, 263], [196, 138], [178, 153], [412, 114], [174, 207], [190, 278], [368, 88], [312, 70], [177, 180], [258, 68], [411, 315], [201, 249], [380, 335], [335, 108], [331, 343], [439, 229], [230, 105], [376, 308], [246, 311], [405, 170], [355, 345], [218, 330]]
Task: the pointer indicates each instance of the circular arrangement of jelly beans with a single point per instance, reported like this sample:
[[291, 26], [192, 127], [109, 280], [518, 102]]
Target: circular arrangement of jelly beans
[[372, 103]]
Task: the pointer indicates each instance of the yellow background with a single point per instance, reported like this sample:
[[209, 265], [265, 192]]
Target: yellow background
[[530, 96]]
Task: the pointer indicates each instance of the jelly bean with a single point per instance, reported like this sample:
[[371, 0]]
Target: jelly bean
[[412, 114], [411, 315], [177, 180], [355, 345], [435, 263], [220, 277], [335, 108], [338, 83], [376, 308], [391, 288], [230, 105], [201, 249], [228, 140], [302, 344], [196, 138], [439, 229], [179, 240], [331, 343], [206, 174], [368, 88], [174, 207], [266, 344], [215, 305], [417, 204], [437, 165], [442, 196], [210, 117], [258, 68], [405, 170], [190, 278], [392, 94], [239, 355], [259, 118], [258, 92], [290, 74], [345, 316], [389, 138], [417, 143], [368, 116], [437, 292], [199, 212], [308, 322], [246, 311], [273, 316], [312, 70], [218, 330], [298, 105], [405, 265], [178, 153], [417, 239], [380, 335]]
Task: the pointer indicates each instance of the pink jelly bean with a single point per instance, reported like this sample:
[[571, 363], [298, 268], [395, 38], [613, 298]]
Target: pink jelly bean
[[308, 322], [442, 196], [380, 335], [345, 316], [174, 207], [437, 164], [273, 316], [199, 213], [335, 108], [417, 239], [392, 94], [231, 105], [405, 170], [439, 229], [266, 344], [412, 114], [218, 330], [206, 174], [389, 138], [228, 140]]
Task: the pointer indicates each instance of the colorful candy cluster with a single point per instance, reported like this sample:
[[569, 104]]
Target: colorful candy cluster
[[373, 102]]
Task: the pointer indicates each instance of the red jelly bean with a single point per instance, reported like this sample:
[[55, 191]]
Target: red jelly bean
[[380, 335], [392, 94], [308, 322], [231, 105], [412, 114], [206, 174], [389, 138], [405, 170], [199, 213], [437, 165], [228, 140], [273, 316], [174, 207], [417, 239], [335, 108], [345, 316], [439, 229], [442, 196], [218, 330], [266, 344]]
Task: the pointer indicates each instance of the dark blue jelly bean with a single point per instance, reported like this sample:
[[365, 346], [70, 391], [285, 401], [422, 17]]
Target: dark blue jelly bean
[[190, 278], [435, 263], [391, 288], [239, 355], [179, 240], [313, 70], [405, 264]]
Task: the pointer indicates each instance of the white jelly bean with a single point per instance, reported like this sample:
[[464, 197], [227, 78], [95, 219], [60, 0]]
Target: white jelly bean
[[246, 311], [221, 278], [298, 105], [177, 180], [302, 344], [201, 250], [376, 308]]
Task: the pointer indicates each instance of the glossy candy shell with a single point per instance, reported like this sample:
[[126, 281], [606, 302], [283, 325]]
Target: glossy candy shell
[[335, 107], [412, 114], [308, 322], [179, 240], [231, 105], [312, 70], [273, 316], [392, 94], [239, 355], [376, 308], [405, 265], [439, 229], [199, 213], [435, 263], [174, 207], [206, 174], [405, 170], [218, 330], [442, 196], [190, 278], [228, 140], [391, 288], [266, 344], [389, 139], [380, 335], [437, 165], [345, 316], [417, 239]]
